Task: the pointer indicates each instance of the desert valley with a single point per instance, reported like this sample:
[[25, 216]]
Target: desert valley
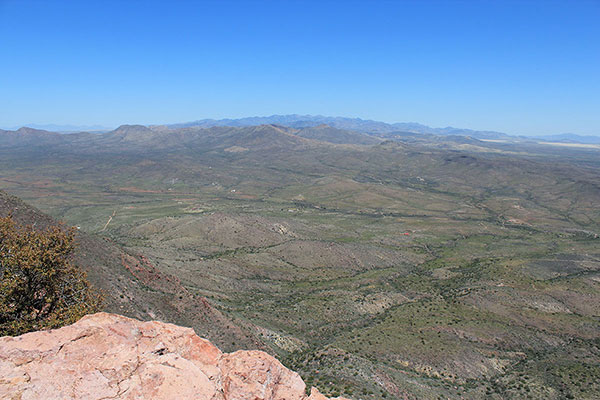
[[375, 261]]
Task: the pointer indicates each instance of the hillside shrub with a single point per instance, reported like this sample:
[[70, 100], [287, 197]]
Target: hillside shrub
[[39, 286]]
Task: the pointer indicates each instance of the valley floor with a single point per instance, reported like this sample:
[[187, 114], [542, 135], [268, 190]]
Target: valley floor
[[375, 272]]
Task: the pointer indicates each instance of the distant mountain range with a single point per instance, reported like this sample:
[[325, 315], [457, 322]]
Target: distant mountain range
[[571, 138], [356, 125], [377, 128], [65, 128]]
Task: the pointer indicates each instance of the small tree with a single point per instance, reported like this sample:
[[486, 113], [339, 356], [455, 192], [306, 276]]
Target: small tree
[[39, 287]]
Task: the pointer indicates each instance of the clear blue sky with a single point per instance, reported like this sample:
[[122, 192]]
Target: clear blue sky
[[519, 67]]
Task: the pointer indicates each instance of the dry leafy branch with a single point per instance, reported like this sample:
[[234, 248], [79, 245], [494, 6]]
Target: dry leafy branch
[[39, 287]]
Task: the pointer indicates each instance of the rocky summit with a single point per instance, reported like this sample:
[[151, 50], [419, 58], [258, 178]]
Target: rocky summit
[[106, 356]]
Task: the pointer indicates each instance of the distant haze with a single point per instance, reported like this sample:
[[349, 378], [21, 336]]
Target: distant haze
[[523, 68], [63, 128], [358, 124]]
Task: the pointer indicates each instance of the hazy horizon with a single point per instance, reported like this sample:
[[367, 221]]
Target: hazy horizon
[[522, 68], [97, 127]]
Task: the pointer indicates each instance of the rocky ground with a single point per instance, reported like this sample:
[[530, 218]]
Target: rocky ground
[[107, 356]]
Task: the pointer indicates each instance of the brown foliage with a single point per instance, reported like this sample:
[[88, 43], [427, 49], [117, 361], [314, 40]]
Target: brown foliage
[[39, 287]]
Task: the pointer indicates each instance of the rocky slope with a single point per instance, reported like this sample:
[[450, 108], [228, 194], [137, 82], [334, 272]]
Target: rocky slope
[[131, 285], [106, 356]]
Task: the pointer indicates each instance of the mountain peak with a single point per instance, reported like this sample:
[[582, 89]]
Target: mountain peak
[[129, 128], [27, 130]]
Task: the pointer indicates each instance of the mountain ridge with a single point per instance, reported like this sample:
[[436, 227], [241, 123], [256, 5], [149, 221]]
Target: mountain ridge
[[364, 125], [359, 126]]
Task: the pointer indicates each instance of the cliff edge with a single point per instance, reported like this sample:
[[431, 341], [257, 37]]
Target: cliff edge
[[107, 356]]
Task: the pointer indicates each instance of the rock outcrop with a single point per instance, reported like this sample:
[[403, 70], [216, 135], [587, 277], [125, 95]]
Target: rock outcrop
[[107, 356]]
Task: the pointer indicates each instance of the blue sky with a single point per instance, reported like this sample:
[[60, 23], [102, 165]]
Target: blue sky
[[519, 67]]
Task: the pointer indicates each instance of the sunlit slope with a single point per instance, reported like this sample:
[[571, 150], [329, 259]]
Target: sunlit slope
[[422, 269]]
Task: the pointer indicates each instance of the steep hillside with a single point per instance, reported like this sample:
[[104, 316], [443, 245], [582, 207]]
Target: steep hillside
[[329, 134], [29, 137], [133, 286]]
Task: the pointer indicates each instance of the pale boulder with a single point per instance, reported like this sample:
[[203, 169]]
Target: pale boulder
[[109, 356]]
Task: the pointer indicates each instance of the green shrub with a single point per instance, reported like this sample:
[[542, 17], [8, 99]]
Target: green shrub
[[39, 287]]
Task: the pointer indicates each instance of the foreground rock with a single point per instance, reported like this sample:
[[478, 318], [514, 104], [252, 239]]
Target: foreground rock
[[109, 356]]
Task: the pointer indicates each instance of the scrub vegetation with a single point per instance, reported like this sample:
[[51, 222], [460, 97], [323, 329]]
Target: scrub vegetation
[[39, 287], [446, 267]]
